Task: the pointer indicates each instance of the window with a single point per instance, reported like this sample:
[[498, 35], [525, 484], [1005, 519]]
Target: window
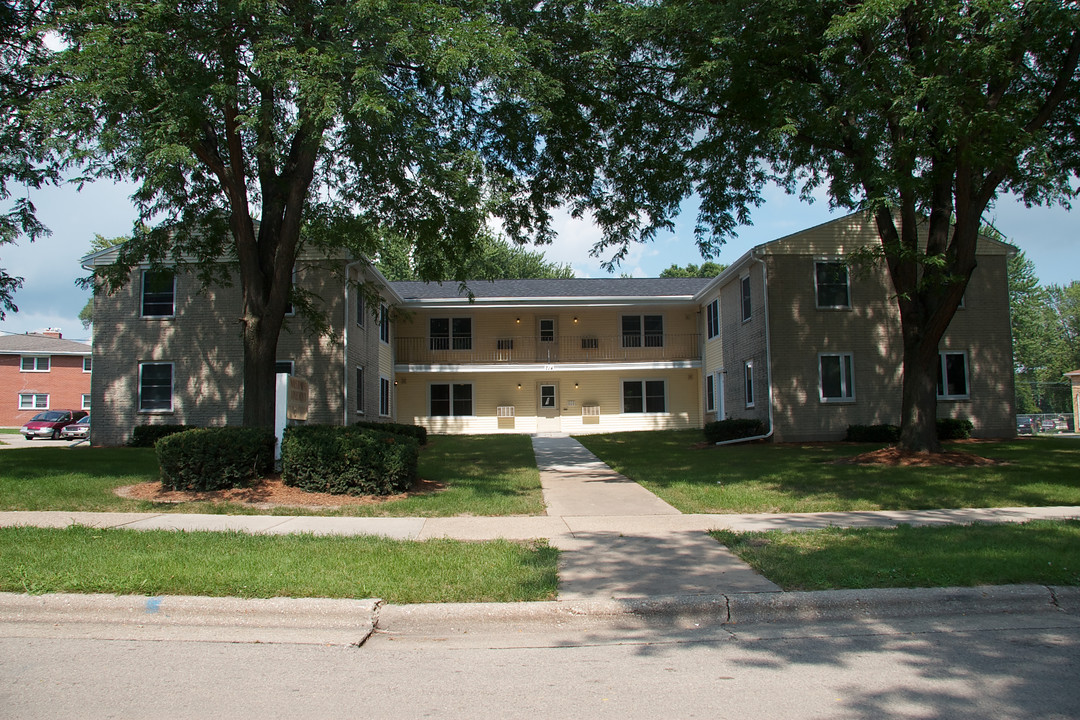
[[289, 309], [447, 333], [747, 307], [547, 330], [86, 363], [748, 381], [359, 391], [361, 308], [33, 401], [710, 393], [547, 397], [35, 363], [155, 387], [384, 396], [86, 402], [836, 381], [158, 293], [831, 282], [644, 396], [952, 376], [283, 366], [712, 319], [384, 324], [639, 328], [451, 399]]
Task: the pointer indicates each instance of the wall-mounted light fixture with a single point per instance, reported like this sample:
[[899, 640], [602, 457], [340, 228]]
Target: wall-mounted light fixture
[[575, 386], [519, 386], [575, 320], [519, 321]]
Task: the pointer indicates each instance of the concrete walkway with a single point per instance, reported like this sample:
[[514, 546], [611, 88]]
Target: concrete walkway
[[619, 541]]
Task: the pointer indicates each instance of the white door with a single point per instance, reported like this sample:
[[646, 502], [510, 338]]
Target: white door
[[548, 417]]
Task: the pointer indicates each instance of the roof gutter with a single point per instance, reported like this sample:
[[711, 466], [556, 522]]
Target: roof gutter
[[756, 257]]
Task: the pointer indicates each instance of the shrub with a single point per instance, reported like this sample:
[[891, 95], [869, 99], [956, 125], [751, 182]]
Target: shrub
[[348, 460], [214, 458], [722, 430], [954, 428], [416, 432], [872, 433], [147, 435]]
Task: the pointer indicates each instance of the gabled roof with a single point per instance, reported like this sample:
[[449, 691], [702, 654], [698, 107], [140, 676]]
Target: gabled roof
[[582, 290], [30, 344]]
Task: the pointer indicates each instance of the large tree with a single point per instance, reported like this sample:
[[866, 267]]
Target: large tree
[[25, 158], [917, 111], [257, 128]]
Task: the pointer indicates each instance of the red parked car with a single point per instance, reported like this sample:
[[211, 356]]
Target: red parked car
[[47, 425]]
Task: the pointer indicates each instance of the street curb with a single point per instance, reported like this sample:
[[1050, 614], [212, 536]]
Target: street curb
[[319, 621], [749, 608]]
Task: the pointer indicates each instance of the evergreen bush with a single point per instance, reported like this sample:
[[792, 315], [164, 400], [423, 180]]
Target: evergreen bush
[[348, 460], [214, 458], [735, 429], [147, 435]]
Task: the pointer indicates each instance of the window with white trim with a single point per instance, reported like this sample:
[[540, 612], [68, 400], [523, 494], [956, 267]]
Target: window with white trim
[[644, 396], [361, 308], [155, 387], [360, 390], [836, 379], [87, 363], [451, 399], [35, 363], [952, 376], [158, 293], [747, 305], [712, 319], [450, 333], [831, 285], [384, 396], [642, 330], [547, 330], [86, 401], [710, 393], [33, 401], [748, 382]]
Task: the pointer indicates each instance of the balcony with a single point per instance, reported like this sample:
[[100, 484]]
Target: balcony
[[510, 350]]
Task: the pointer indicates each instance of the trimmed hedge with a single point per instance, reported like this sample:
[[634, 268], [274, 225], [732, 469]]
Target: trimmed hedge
[[954, 428], [147, 435], [873, 433], [348, 460], [416, 432], [721, 430], [214, 458]]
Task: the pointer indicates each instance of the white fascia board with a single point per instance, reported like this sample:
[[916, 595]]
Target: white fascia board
[[550, 367], [731, 270], [550, 302]]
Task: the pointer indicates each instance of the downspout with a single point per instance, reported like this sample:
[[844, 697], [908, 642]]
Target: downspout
[[345, 340], [768, 355]]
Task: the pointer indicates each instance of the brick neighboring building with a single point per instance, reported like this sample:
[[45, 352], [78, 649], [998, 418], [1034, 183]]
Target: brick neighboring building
[[42, 371]]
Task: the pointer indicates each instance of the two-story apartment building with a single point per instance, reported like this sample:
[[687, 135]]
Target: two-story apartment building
[[790, 333], [42, 371]]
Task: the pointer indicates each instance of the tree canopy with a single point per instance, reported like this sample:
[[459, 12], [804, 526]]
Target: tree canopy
[[707, 269], [493, 258], [257, 129], [918, 113]]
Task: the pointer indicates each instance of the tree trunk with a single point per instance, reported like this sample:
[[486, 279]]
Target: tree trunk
[[260, 359], [918, 405]]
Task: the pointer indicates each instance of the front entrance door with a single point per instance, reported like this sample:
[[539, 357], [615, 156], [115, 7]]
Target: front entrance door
[[547, 346], [548, 418]]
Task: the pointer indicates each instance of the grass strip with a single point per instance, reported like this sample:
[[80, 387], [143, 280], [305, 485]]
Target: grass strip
[[483, 475], [1045, 552], [80, 559], [793, 477]]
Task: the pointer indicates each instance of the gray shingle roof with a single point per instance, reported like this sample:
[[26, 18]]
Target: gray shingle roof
[[41, 345], [564, 288]]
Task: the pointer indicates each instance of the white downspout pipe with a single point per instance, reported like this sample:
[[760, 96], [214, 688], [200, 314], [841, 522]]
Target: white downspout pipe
[[345, 341], [768, 355]]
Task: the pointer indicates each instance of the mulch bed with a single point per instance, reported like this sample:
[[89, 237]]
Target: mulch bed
[[268, 492]]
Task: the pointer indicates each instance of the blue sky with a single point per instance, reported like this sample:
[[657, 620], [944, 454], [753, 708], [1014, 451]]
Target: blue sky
[[50, 298]]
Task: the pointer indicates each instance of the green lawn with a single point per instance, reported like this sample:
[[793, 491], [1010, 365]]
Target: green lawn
[[86, 560], [1042, 552], [483, 475], [805, 478]]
